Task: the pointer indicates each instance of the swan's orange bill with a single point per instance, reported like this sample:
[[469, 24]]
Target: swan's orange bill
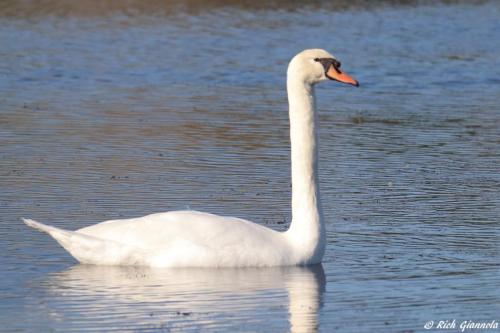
[[338, 75]]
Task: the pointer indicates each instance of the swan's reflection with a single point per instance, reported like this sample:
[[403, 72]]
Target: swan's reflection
[[179, 299]]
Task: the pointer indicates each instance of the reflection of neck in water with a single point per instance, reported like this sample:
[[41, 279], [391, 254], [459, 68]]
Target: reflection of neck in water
[[304, 295], [217, 292]]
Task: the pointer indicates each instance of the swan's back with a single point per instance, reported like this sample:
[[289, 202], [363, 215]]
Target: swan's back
[[191, 238]]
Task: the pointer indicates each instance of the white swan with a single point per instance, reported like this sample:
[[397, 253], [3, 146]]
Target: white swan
[[195, 239]]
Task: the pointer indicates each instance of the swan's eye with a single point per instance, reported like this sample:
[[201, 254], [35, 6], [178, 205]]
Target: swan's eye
[[316, 59]]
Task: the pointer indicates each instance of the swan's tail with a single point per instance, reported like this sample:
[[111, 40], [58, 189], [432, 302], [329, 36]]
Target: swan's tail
[[42, 227], [89, 249]]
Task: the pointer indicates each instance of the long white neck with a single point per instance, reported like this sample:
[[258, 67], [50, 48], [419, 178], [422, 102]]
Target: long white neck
[[307, 230]]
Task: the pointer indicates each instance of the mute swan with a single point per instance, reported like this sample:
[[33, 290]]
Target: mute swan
[[196, 239]]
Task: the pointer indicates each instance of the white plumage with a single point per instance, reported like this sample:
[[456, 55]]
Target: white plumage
[[196, 239]]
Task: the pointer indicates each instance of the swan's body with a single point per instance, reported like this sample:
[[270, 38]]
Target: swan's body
[[195, 239], [218, 241]]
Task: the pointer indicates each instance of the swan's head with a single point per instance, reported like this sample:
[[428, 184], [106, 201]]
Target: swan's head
[[316, 65]]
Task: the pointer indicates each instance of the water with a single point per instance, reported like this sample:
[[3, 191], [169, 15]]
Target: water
[[113, 110]]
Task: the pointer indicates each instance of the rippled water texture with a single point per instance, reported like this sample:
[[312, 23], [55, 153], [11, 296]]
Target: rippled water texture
[[122, 109]]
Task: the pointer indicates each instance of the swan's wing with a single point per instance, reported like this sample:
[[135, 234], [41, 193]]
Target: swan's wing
[[191, 238], [174, 239], [155, 230], [90, 249]]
